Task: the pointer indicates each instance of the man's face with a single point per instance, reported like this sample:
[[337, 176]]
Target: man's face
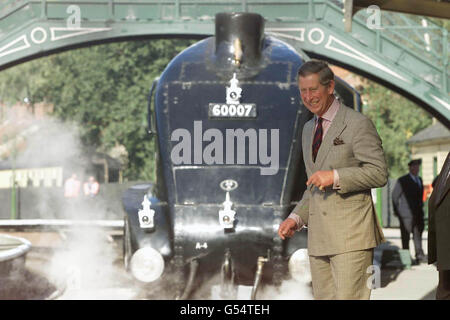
[[316, 97], [414, 169]]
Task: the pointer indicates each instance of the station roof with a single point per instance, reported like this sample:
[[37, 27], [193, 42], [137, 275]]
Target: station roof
[[434, 132]]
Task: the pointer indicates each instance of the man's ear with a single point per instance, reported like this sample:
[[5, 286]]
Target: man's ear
[[330, 88]]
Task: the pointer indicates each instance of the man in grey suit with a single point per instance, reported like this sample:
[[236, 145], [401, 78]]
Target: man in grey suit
[[344, 159], [407, 199]]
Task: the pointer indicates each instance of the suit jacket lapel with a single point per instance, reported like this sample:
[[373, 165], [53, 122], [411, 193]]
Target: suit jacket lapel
[[441, 193], [309, 134], [442, 185], [337, 126]]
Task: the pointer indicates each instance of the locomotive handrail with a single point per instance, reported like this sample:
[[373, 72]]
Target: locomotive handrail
[[151, 130]]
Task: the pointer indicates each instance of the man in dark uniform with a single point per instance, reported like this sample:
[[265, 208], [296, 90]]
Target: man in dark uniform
[[408, 207], [438, 233]]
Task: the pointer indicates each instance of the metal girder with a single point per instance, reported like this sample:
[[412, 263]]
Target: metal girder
[[319, 41], [415, 68]]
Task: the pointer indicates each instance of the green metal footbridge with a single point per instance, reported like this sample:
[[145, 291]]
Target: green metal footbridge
[[407, 53]]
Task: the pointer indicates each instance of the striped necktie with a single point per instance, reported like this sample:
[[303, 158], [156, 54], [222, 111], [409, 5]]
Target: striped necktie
[[317, 138]]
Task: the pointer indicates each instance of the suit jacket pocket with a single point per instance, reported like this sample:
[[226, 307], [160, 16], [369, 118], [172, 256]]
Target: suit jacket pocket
[[340, 154], [358, 217], [342, 149]]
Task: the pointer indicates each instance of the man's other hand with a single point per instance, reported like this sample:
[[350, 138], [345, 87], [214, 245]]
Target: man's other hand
[[321, 179], [287, 228]]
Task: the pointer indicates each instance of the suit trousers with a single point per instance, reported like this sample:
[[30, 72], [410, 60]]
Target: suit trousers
[[343, 276], [414, 226]]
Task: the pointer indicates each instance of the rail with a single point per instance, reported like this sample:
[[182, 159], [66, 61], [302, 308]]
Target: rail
[[57, 224]]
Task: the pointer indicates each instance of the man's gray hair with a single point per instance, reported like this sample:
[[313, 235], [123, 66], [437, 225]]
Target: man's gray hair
[[317, 66]]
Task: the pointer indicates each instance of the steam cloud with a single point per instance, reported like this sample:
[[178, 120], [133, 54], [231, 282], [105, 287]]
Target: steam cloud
[[288, 290], [86, 262]]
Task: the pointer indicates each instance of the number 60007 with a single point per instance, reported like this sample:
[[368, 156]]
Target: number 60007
[[232, 110]]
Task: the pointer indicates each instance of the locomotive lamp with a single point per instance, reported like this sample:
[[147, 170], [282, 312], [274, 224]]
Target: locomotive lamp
[[226, 216], [299, 266], [146, 214], [147, 264]]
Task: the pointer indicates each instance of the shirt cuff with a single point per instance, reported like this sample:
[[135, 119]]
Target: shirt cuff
[[298, 220], [336, 185]]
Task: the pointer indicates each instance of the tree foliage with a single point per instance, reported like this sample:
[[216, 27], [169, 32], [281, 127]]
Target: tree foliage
[[397, 119], [103, 89]]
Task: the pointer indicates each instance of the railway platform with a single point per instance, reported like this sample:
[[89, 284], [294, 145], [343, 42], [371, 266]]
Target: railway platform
[[397, 283]]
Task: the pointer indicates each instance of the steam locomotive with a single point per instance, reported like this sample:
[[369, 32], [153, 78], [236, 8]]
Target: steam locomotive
[[228, 121]]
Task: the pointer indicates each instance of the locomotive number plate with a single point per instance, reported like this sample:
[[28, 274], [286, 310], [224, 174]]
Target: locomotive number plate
[[223, 110]]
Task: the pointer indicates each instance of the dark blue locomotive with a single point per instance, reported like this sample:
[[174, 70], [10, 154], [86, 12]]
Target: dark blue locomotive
[[228, 122]]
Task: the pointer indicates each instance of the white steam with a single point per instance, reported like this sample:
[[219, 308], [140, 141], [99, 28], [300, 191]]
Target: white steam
[[87, 267], [288, 290], [86, 263]]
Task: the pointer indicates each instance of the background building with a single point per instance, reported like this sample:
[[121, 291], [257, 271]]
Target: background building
[[431, 145]]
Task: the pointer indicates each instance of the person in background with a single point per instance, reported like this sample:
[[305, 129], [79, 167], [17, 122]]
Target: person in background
[[407, 198], [72, 187], [91, 187], [438, 230]]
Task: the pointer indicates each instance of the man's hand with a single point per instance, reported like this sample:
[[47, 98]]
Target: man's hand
[[287, 228], [321, 179]]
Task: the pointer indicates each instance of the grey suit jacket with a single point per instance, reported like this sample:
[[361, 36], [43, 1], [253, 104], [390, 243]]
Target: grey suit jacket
[[439, 220], [343, 220]]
